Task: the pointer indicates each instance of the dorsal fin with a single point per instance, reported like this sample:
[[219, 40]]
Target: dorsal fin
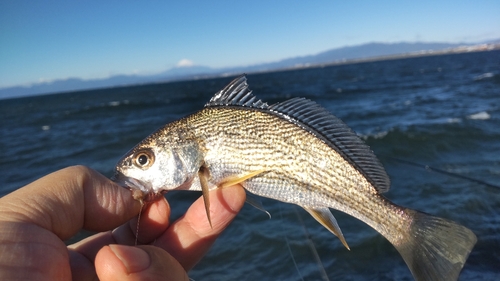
[[337, 135], [236, 93]]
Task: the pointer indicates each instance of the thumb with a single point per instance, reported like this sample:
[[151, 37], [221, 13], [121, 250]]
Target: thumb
[[119, 262]]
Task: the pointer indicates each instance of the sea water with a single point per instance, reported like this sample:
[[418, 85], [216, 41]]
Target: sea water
[[433, 121]]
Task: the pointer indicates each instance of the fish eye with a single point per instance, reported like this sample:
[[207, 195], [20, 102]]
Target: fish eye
[[144, 159]]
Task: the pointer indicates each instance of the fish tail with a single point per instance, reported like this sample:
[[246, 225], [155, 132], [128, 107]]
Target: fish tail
[[435, 248]]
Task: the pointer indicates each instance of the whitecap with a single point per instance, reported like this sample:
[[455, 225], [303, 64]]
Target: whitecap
[[483, 115], [45, 127], [114, 103], [454, 120], [484, 76], [378, 135]]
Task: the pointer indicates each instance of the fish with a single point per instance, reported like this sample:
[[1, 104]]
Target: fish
[[296, 152]]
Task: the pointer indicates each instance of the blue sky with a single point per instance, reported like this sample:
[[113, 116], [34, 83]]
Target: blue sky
[[48, 40]]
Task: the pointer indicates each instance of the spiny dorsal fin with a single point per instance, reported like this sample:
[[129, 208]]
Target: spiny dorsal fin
[[236, 93], [337, 135]]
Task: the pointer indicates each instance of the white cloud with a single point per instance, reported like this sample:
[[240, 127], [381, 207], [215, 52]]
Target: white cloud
[[185, 63]]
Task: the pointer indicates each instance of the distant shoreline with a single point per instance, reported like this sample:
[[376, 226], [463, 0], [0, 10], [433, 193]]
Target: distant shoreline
[[424, 53]]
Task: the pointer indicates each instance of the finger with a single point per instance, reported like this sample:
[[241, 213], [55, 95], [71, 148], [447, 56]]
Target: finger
[[119, 262], [190, 237], [61, 204], [68, 200], [29, 252], [154, 221]]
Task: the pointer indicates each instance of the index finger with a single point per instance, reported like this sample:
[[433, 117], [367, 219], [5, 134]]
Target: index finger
[[191, 236]]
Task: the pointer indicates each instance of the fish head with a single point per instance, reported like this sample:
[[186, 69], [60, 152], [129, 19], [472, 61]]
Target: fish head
[[150, 169]]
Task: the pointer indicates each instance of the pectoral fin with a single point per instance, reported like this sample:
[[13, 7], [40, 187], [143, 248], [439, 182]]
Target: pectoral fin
[[239, 179], [252, 199], [205, 192], [326, 218], [203, 175]]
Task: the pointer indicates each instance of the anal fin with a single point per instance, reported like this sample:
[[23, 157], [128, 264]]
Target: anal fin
[[326, 218]]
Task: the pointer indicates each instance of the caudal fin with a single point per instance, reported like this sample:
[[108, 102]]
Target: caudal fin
[[435, 248]]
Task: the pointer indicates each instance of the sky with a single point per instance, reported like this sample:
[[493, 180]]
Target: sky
[[41, 41]]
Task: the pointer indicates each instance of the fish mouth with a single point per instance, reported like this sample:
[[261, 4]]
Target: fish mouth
[[141, 190]]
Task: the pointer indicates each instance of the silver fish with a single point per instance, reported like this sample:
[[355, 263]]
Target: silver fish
[[296, 152]]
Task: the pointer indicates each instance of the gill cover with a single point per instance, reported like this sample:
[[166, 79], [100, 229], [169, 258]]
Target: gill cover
[[156, 169]]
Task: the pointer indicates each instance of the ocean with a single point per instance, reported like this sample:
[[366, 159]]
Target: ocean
[[434, 122]]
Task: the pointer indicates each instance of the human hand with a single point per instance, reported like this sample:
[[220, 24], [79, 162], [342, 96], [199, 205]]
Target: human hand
[[36, 219]]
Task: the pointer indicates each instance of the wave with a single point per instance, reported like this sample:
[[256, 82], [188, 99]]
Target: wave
[[483, 115], [484, 76]]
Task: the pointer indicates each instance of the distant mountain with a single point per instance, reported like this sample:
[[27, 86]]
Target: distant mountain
[[185, 70], [68, 85], [365, 51], [77, 84], [370, 50], [494, 41]]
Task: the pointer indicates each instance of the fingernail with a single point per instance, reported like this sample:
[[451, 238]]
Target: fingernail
[[133, 258]]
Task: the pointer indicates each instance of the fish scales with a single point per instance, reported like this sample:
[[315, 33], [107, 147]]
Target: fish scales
[[295, 152], [246, 145]]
